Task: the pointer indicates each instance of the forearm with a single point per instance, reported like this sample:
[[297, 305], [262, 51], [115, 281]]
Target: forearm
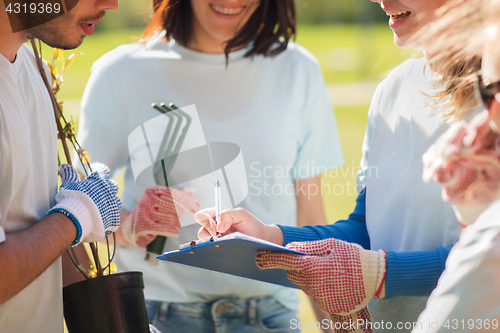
[[414, 273], [25, 254]]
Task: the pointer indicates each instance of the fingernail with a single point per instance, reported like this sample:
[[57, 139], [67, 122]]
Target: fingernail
[[213, 225], [220, 226]]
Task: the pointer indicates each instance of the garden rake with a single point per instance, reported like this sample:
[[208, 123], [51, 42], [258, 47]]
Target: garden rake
[[178, 122]]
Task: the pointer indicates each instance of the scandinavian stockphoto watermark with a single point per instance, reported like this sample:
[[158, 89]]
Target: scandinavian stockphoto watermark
[[265, 179], [352, 325], [24, 14], [171, 150]]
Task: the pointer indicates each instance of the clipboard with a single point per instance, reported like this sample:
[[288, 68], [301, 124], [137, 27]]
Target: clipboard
[[233, 254]]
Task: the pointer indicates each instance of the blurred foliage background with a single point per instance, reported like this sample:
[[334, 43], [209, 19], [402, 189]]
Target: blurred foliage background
[[350, 39], [308, 12]]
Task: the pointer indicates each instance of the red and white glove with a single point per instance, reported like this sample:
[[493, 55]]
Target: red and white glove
[[341, 277], [156, 215], [466, 162]]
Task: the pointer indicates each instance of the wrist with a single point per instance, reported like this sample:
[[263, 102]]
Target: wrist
[[74, 221], [373, 265], [467, 214], [67, 229], [274, 235], [82, 211]]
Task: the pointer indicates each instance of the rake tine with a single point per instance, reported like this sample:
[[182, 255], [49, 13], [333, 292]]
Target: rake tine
[[182, 136], [172, 150]]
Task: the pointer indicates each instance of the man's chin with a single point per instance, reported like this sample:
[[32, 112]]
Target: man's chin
[[64, 43], [51, 34]]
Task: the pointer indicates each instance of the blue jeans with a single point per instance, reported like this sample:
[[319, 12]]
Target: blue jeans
[[227, 315]]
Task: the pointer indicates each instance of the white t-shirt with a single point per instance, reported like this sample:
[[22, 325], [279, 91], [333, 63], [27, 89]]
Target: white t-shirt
[[402, 212], [467, 297], [28, 180], [277, 110]]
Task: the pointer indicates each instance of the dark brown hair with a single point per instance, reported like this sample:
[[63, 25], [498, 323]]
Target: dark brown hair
[[270, 27]]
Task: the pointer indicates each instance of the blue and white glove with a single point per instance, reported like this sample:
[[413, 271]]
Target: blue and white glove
[[91, 204]]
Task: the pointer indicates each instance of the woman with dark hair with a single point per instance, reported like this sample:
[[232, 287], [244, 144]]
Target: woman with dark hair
[[253, 87]]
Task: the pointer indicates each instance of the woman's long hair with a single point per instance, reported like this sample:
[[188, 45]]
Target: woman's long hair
[[456, 42]]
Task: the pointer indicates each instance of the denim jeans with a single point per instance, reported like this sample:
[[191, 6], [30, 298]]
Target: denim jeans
[[227, 315]]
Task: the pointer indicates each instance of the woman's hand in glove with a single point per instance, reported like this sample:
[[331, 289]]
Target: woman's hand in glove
[[341, 277], [157, 214]]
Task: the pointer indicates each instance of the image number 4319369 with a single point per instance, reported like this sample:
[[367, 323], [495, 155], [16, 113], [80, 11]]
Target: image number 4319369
[[24, 15]]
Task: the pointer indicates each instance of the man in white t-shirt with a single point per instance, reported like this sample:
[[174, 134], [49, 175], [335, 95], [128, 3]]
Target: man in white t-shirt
[[35, 229]]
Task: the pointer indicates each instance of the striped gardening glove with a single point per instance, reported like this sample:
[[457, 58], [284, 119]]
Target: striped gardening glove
[[341, 277], [157, 214], [466, 162], [91, 204]]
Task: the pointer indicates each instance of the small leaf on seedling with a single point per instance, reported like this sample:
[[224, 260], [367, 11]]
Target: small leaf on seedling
[[83, 155], [85, 159], [70, 60], [82, 151], [58, 54]]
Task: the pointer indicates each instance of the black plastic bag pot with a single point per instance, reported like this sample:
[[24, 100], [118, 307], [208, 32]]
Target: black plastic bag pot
[[108, 304]]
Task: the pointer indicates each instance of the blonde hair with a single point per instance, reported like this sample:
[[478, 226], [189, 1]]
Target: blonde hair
[[455, 95], [455, 42]]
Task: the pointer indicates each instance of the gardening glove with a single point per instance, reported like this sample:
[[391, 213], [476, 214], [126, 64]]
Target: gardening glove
[[341, 277], [91, 204], [466, 162], [156, 214], [353, 323]]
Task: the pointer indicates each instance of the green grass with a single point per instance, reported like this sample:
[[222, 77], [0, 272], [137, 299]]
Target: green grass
[[92, 48], [349, 53], [346, 53], [339, 194]]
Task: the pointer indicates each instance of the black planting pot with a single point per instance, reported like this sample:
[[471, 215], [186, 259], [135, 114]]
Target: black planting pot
[[108, 304]]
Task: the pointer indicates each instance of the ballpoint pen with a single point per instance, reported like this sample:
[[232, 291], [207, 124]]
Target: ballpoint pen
[[217, 218], [217, 205]]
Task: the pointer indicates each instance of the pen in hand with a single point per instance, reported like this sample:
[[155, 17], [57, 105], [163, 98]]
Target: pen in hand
[[217, 218], [217, 205]]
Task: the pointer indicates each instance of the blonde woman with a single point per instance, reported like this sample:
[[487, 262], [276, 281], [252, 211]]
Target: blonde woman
[[466, 162]]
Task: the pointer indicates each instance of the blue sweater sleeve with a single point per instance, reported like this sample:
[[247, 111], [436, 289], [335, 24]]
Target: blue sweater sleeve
[[352, 230], [414, 273]]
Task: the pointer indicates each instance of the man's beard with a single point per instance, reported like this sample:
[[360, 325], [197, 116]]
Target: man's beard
[[54, 33]]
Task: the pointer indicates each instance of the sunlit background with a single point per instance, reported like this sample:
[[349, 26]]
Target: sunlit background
[[355, 49]]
